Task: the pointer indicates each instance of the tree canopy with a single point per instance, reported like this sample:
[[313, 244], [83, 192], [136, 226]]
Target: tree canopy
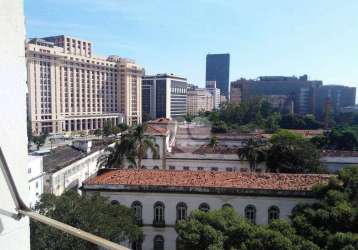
[[291, 153], [331, 223], [94, 214]]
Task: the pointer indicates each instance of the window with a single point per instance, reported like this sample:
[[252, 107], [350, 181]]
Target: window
[[156, 167], [204, 207], [250, 213], [186, 168], [214, 169], [200, 168], [136, 245], [158, 242], [227, 205], [159, 214], [172, 167], [273, 214], [229, 169], [137, 208], [114, 202], [181, 211]]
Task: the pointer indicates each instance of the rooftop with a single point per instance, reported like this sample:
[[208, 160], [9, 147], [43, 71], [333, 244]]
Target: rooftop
[[63, 156], [338, 153], [204, 181], [155, 130]]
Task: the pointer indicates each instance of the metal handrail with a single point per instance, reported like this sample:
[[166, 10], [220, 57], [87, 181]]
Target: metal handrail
[[24, 210]]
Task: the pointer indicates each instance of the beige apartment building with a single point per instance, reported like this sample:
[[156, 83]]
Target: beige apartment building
[[70, 89], [199, 100]]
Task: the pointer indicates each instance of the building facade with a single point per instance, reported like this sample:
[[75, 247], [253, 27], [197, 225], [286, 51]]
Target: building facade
[[164, 95], [14, 234], [215, 92], [199, 100], [334, 97], [36, 180], [161, 198], [70, 89], [297, 93], [218, 69]]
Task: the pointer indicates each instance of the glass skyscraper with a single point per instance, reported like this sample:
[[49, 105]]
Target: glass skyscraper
[[218, 69]]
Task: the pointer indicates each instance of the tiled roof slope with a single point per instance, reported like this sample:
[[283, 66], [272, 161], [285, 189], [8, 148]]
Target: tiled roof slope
[[206, 179]]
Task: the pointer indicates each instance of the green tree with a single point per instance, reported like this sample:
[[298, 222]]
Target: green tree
[[39, 140], [254, 151], [225, 229], [332, 222], [93, 214], [214, 141], [141, 143], [219, 127], [291, 153]]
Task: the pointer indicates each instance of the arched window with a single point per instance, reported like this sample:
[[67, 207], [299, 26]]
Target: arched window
[[115, 202], [136, 245], [227, 205], [181, 211], [204, 207], [273, 214], [155, 167], [137, 208], [250, 213], [158, 242], [159, 214]]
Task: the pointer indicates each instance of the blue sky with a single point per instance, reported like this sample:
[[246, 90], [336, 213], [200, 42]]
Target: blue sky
[[276, 37]]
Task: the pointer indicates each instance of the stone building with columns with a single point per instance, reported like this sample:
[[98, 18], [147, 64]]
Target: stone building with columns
[[70, 89]]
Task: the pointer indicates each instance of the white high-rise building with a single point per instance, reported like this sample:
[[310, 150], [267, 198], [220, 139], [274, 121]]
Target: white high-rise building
[[211, 86], [70, 89]]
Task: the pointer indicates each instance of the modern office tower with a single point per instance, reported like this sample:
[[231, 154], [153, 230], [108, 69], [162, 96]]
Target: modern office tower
[[199, 100], [297, 93], [70, 89], [336, 96], [164, 95], [218, 69], [215, 92]]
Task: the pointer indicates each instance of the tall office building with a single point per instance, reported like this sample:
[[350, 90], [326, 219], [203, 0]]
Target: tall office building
[[215, 92], [164, 95], [281, 91], [218, 69], [199, 100], [336, 96], [70, 89]]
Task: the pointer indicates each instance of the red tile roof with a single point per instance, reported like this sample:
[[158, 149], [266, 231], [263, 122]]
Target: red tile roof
[[156, 130], [206, 179], [160, 120]]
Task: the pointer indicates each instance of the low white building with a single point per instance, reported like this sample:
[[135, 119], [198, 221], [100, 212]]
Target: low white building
[[162, 197], [335, 160], [36, 178], [66, 167]]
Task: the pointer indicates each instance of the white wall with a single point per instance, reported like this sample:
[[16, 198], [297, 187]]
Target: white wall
[[170, 200], [77, 172], [35, 176], [14, 235]]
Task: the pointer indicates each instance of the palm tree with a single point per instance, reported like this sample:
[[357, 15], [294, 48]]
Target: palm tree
[[141, 142], [254, 151], [134, 144], [214, 141]]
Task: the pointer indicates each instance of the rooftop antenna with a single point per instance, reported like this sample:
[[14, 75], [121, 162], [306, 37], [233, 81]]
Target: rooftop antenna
[[23, 210]]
